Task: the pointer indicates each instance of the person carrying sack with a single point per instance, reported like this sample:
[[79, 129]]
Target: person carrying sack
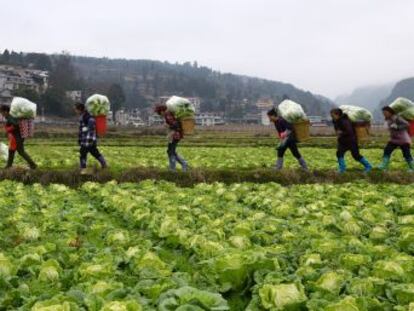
[[347, 141], [16, 142], [287, 140], [175, 134], [87, 139], [399, 138]]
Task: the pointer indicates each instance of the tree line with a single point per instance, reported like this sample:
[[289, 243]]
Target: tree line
[[140, 83]]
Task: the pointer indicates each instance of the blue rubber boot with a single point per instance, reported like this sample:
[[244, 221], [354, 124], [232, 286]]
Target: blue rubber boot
[[183, 163], [410, 164], [172, 163], [366, 164], [385, 164], [341, 165]]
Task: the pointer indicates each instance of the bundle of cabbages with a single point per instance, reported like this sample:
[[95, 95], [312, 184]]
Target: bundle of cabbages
[[357, 114], [98, 105], [403, 107], [4, 151], [292, 112], [22, 108], [180, 107]]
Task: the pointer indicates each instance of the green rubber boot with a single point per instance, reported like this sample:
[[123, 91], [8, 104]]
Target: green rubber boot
[[385, 164], [410, 164]]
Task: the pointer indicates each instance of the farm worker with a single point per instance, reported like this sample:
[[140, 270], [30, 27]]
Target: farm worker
[[87, 138], [347, 141], [400, 138], [287, 140], [16, 142], [175, 134]]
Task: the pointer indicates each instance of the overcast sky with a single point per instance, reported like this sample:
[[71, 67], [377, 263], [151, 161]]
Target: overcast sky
[[325, 46]]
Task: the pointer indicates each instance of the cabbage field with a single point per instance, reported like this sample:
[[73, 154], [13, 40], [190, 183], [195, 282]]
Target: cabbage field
[[244, 246], [120, 158]]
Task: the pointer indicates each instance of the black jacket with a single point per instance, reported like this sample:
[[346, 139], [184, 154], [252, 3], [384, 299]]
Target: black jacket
[[345, 130]]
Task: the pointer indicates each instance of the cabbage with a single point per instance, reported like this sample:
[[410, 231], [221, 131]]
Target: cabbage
[[406, 240], [282, 297], [291, 111], [180, 107], [98, 105], [331, 282], [49, 271], [357, 114], [189, 298], [4, 151], [347, 304], [404, 107], [389, 270], [404, 293], [22, 108], [6, 267], [129, 305], [31, 233], [118, 238], [401, 104]]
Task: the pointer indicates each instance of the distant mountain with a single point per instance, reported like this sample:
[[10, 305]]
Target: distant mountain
[[368, 97], [143, 81], [403, 88]]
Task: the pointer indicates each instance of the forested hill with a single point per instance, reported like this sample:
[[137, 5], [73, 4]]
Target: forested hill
[[140, 83], [144, 81]]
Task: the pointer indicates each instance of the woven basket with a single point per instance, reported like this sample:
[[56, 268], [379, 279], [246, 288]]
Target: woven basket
[[188, 125], [302, 130], [362, 131], [26, 128]]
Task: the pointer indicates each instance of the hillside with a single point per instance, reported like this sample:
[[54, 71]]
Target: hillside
[[368, 97], [404, 88], [140, 83], [144, 81]]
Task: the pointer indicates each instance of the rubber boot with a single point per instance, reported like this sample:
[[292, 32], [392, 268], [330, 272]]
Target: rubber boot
[[183, 163], [410, 164], [102, 161], [10, 159], [385, 164], [279, 164], [303, 164], [341, 165], [172, 163], [366, 164]]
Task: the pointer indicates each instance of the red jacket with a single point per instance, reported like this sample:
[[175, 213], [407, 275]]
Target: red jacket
[[12, 130]]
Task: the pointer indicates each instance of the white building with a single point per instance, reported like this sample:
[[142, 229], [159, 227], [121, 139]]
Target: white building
[[5, 97], [12, 78], [264, 106], [155, 119], [209, 119], [132, 118], [75, 95]]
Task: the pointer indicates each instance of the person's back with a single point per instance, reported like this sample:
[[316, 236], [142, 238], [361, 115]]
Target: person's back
[[345, 130]]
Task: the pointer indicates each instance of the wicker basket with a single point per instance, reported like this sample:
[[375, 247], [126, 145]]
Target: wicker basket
[[362, 131], [188, 125], [302, 130]]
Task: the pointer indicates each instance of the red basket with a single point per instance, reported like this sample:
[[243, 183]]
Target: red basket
[[411, 128], [100, 125]]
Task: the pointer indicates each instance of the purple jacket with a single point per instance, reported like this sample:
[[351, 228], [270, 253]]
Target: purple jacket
[[398, 128]]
